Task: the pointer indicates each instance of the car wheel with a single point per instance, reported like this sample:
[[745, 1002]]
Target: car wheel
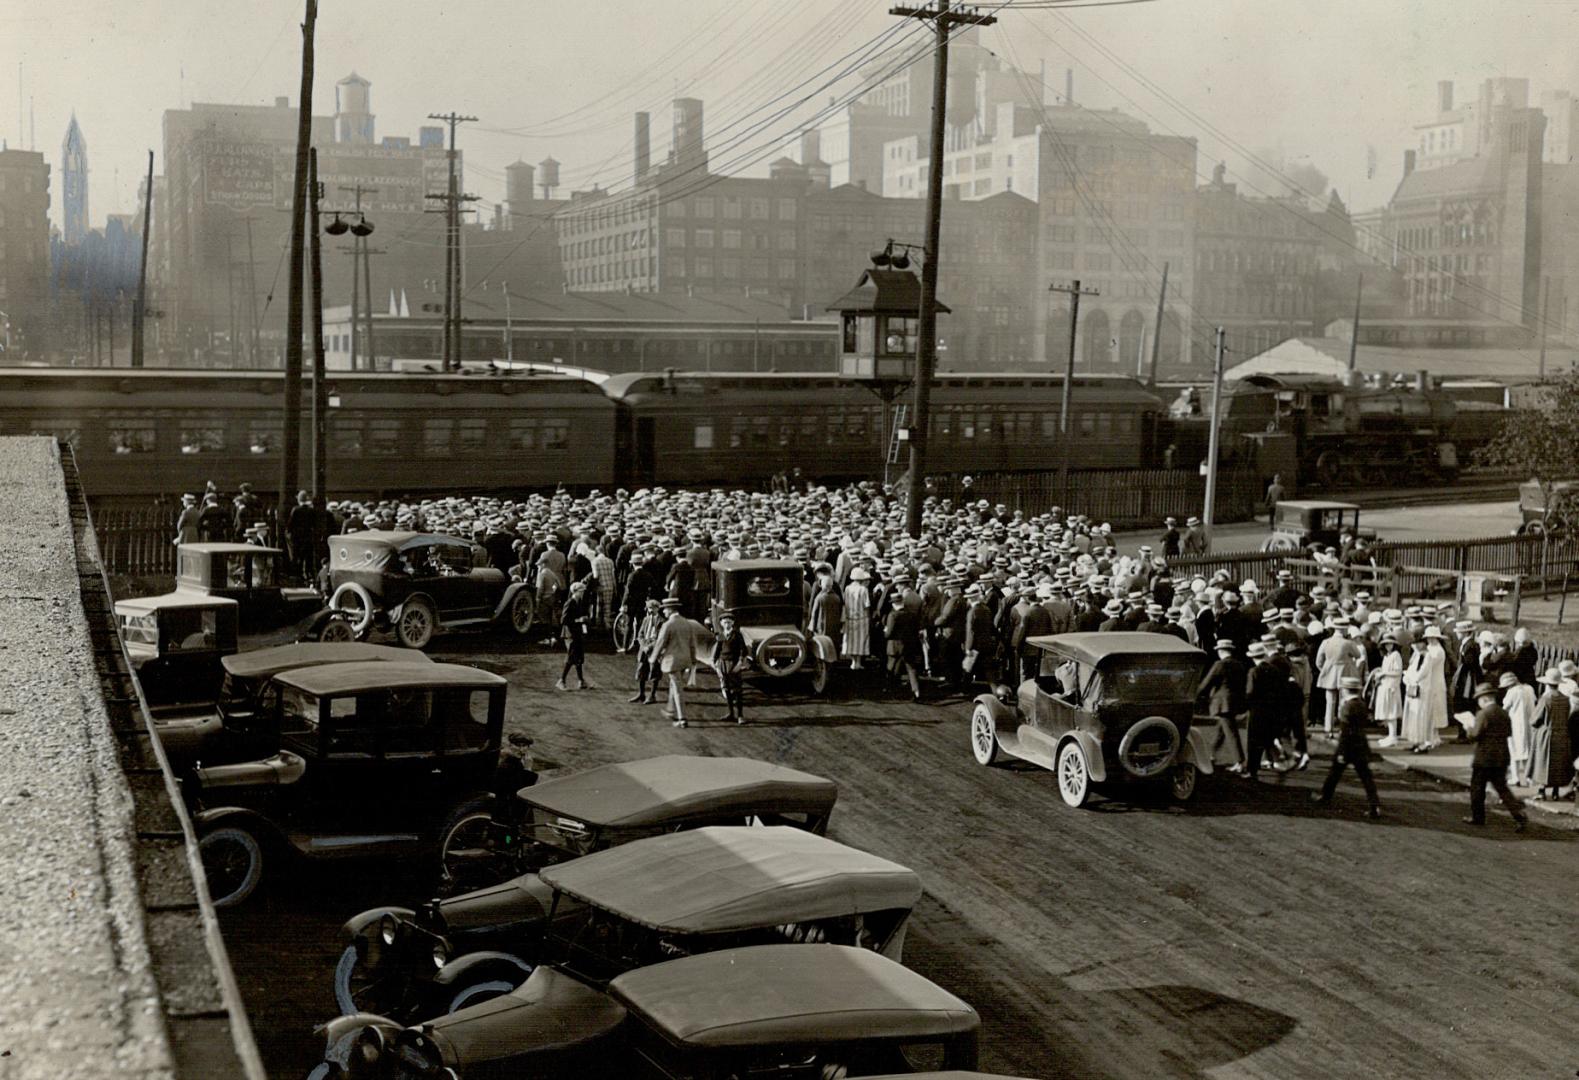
[[466, 858], [359, 988], [523, 608], [232, 863], [356, 604], [480, 992], [983, 735], [622, 631], [415, 628], [1182, 781], [337, 629], [1074, 779], [819, 676], [782, 654]]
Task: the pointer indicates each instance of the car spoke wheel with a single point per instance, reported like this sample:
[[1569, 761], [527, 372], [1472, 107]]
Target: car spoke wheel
[[1182, 781], [360, 987], [232, 864], [983, 735], [819, 676], [415, 628], [467, 858], [523, 608], [623, 630], [1074, 779], [356, 604], [480, 992], [337, 629]]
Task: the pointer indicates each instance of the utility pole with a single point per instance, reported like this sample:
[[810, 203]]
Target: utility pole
[[509, 333], [1156, 336], [367, 288], [320, 419], [361, 281], [359, 249], [944, 19], [452, 198], [142, 270], [1212, 441], [1066, 402], [253, 359], [1354, 337], [232, 327], [1546, 301], [291, 442]]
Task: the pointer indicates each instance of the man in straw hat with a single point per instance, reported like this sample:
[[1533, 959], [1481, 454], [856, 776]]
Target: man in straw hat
[[1490, 730], [675, 653], [1352, 749]]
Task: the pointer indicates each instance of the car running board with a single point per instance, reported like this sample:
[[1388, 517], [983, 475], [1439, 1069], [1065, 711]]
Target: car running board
[[1027, 749]]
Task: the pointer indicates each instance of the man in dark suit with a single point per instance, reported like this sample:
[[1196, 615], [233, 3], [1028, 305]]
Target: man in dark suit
[[1352, 749], [1235, 626], [1222, 695], [1037, 621], [1266, 696], [981, 637], [1490, 731]]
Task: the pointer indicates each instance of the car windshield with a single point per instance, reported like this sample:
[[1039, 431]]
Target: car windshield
[[236, 571], [1149, 679], [262, 572], [298, 718], [768, 586], [191, 630], [140, 629]]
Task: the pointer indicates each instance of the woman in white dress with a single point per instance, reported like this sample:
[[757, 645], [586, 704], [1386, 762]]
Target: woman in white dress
[[1519, 702], [857, 618], [1388, 683], [1425, 692]]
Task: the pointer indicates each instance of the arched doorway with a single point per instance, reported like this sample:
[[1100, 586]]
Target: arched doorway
[[1099, 340]]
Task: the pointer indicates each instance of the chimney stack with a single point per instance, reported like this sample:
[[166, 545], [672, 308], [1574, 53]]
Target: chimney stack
[[1409, 162], [1069, 86], [1444, 95], [643, 145]]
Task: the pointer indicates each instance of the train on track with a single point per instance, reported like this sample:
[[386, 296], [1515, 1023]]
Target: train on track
[[1321, 432], [151, 433]]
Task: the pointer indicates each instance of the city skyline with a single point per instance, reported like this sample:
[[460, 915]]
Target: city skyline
[[537, 97]]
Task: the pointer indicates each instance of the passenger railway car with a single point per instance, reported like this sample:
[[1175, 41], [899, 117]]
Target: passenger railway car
[[161, 432], [694, 428]]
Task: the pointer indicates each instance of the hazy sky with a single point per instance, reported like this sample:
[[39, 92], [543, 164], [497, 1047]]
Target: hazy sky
[[1314, 80]]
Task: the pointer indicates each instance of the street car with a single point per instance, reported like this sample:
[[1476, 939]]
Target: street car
[[767, 599], [1108, 709], [417, 584], [235, 725], [1298, 523], [791, 1012], [252, 576], [176, 644], [373, 759], [569, 816], [640, 903]]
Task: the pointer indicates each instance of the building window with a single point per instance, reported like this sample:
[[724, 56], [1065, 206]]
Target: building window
[[760, 269], [208, 438], [674, 237], [1098, 260], [674, 209], [704, 268], [786, 209], [702, 435], [523, 433], [132, 439], [704, 206], [759, 209], [704, 238], [731, 239], [731, 208], [786, 271], [729, 268], [982, 186], [555, 435], [474, 435], [436, 435], [787, 241]]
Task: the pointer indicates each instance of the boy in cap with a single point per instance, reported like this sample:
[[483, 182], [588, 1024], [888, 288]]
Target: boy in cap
[[730, 659], [646, 636], [1352, 749]]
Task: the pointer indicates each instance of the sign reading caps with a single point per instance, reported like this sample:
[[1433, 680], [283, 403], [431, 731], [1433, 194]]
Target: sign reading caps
[[238, 175]]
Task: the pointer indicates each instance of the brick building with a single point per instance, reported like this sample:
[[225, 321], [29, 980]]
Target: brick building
[[24, 255]]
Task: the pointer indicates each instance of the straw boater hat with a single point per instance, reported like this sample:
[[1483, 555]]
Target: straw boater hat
[[1225, 645], [1485, 689], [1350, 682], [1549, 677], [1507, 681]]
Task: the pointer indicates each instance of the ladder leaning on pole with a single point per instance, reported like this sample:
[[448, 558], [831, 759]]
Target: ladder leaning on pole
[[895, 443]]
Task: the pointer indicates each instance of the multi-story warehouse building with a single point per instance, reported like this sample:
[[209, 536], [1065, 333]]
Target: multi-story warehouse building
[[24, 254]]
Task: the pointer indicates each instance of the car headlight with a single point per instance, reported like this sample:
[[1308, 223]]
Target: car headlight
[[388, 929], [441, 954]]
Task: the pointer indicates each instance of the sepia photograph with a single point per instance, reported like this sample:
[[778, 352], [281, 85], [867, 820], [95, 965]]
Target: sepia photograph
[[760, 540]]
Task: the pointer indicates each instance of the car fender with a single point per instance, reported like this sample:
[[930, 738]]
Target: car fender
[[1001, 714], [394, 612], [1197, 751], [365, 922], [503, 609], [258, 824], [823, 648], [1092, 749], [340, 1034], [478, 967]]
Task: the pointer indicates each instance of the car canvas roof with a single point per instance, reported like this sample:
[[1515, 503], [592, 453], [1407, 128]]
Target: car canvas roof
[[1093, 648], [180, 598], [231, 549], [1317, 504], [374, 675], [632, 794], [400, 540], [726, 878], [266, 662], [765, 995], [757, 564]]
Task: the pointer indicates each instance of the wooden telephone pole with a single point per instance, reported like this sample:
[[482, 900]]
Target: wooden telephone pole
[[1066, 402], [291, 441], [944, 18], [141, 310], [452, 199]]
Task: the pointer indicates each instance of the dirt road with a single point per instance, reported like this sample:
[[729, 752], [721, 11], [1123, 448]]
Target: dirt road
[[1249, 935]]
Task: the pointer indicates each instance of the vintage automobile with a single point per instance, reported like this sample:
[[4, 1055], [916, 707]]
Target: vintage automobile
[[250, 575], [1108, 709], [637, 904], [235, 726], [767, 599], [569, 816], [176, 644], [1313, 521], [1549, 508], [417, 584], [791, 1012], [373, 759]]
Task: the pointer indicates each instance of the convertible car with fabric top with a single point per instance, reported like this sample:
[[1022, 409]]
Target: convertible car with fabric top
[[627, 907], [577, 814], [790, 1012]]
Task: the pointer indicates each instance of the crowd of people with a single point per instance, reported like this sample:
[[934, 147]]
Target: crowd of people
[[955, 608]]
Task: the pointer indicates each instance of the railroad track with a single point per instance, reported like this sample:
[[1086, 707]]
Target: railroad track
[[1463, 492]]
